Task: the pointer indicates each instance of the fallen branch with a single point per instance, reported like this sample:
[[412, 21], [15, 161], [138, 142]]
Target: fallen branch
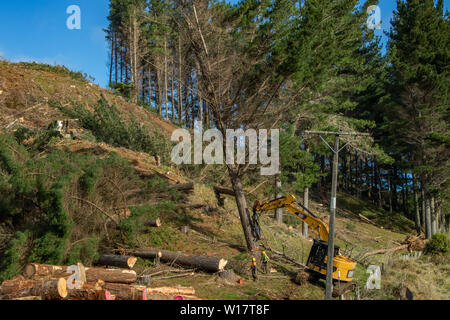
[[182, 187], [382, 251], [176, 276], [366, 220], [97, 207]]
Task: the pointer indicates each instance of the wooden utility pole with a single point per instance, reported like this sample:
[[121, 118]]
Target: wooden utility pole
[[334, 182]]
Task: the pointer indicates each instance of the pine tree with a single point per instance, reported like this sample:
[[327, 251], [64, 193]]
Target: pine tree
[[418, 119]]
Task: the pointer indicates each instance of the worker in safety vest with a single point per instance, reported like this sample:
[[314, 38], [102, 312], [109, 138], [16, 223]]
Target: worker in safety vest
[[264, 261], [254, 269]]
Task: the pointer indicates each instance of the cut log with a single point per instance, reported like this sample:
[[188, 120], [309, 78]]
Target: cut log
[[175, 291], [153, 223], [125, 292], [34, 270], [135, 292], [182, 187], [222, 190], [40, 271], [206, 263], [116, 261], [29, 298], [89, 291], [366, 219], [46, 289]]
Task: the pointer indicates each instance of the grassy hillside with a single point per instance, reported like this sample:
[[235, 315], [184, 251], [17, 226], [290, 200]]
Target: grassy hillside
[[26, 89]]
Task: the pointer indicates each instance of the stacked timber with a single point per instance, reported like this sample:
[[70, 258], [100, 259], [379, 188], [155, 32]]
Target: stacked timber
[[50, 282], [40, 271]]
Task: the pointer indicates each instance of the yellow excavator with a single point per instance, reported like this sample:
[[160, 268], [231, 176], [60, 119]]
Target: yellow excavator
[[343, 267]]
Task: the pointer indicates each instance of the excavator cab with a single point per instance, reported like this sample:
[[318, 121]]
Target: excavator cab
[[318, 254], [343, 267]]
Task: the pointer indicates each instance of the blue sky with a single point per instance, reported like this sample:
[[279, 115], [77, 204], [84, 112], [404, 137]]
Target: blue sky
[[35, 30]]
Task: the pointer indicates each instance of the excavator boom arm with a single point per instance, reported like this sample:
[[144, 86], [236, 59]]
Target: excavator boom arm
[[296, 208]]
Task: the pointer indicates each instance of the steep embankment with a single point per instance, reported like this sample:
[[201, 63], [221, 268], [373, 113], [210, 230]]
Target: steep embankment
[[26, 89]]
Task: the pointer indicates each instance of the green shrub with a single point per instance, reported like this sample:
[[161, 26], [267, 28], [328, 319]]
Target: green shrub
[[123, 89], [438, 244], [59, 69], [12, 258], [85, 252], [107, 124], [33, 203]]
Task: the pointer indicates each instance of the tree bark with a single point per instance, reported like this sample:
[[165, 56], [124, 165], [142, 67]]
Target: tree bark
[[222, 190], [206, 263], [182, 187], [180, 94], [116, 261], [428, 217], [46, 289], [243, 211], [433, 216], [416, 206], [127, 292], [89, 291], [306, 204], [278, 211]]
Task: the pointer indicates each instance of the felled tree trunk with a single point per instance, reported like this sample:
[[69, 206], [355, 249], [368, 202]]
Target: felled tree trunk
[[175, 291], [206, 263], [125, 292], [46, 289], [39, 271], [116, 261], [153, 223], [182, 187], [89, 291], [222, 190]]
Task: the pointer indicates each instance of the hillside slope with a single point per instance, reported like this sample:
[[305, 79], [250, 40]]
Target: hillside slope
[[26, 89], [98, 183]]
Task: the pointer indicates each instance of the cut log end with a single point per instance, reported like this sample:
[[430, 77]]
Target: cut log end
[[222, 264], [29, 271], [131, 262], [62, 287]]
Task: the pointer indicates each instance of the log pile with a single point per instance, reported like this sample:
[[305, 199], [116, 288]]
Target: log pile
[[50, 282]]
